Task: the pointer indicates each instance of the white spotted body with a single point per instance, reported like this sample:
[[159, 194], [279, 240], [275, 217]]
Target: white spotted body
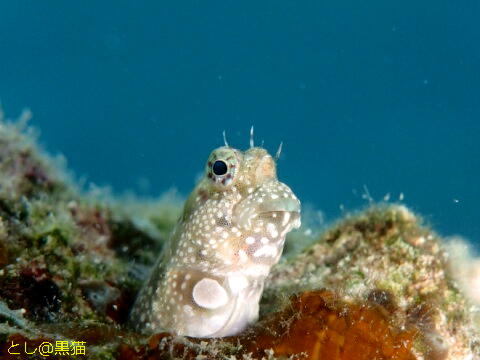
[[209, 279]]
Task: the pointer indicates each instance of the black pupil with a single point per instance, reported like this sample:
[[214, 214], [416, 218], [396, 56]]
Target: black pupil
[[219, 167]]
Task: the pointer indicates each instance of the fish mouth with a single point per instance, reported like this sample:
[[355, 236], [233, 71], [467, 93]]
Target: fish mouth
[[280, 205], [286, 209], [267, 208]]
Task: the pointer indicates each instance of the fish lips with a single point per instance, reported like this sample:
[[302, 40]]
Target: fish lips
[[245, 217], [280, 205]]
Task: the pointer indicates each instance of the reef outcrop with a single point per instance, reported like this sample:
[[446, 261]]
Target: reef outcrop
[[377, 284]]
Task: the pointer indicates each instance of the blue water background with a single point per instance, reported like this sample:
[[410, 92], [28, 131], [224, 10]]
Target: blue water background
[[378, 94]]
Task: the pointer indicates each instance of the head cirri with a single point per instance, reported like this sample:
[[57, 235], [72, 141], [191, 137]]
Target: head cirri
[[209, 279]]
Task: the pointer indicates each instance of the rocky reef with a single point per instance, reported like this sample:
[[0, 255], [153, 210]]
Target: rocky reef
[[377, 284]]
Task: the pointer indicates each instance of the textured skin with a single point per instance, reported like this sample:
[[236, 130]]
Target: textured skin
[[209, 279]]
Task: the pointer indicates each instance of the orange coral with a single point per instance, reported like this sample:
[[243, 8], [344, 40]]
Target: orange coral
[[319, 325]]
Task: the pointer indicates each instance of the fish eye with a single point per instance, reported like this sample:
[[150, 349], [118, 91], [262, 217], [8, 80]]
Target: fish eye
[[219, 167], [222, 166]]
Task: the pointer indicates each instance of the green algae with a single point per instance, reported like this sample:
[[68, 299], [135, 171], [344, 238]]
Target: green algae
[[56, 241]]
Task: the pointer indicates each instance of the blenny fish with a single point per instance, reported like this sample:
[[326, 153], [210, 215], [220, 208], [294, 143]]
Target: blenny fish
[[210, 276]]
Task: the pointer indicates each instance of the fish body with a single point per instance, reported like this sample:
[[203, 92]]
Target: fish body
[[209, 279]]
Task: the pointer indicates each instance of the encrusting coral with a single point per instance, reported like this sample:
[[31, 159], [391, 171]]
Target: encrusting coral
[[376, 285]]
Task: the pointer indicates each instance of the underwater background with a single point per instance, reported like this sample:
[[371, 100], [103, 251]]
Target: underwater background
[[369, 98]]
